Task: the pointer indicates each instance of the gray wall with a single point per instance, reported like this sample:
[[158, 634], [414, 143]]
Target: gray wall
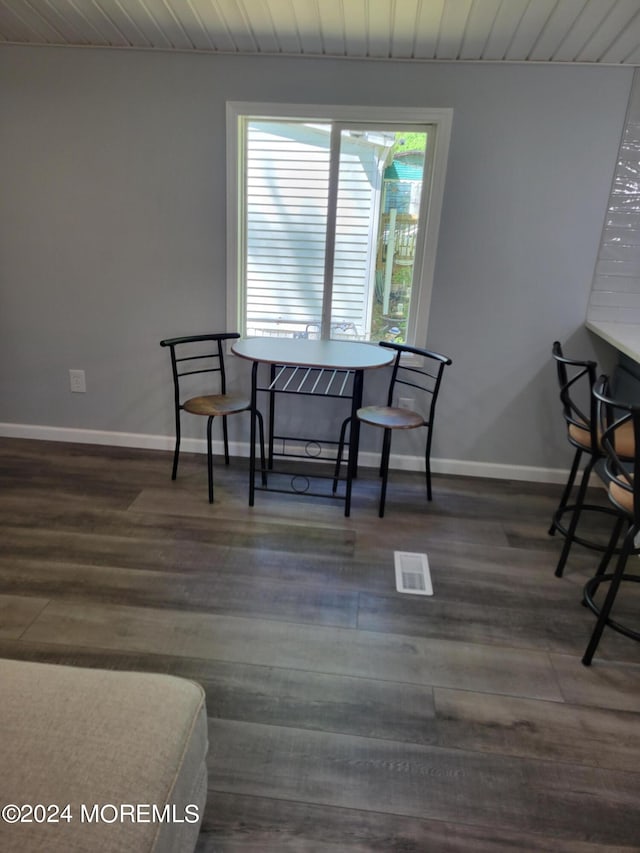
[[112, 229]]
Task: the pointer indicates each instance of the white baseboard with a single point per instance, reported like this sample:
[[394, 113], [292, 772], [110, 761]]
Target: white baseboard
[[461, 467], [96, 436]]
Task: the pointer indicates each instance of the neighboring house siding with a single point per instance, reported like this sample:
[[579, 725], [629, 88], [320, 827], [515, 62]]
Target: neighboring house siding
[[287, 192], [356, 234]]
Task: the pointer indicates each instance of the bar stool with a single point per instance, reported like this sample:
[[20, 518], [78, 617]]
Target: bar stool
[[576, 379], [623, 478]]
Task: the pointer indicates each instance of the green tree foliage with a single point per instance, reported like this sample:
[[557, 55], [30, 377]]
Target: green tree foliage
[[409, 142]]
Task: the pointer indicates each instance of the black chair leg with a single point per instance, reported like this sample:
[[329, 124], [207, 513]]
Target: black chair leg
[[611, 547], [427, 464], [263, 463], [564, 500], [575, 516], [614, 585], [384, 469], [176, 452], [341, 441], [225, 435], [210, 458]]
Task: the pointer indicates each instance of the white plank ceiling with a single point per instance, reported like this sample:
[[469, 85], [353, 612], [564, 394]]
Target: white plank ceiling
[[605, 32]]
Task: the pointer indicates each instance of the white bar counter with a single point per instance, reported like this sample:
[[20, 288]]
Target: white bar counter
[[625, 337]]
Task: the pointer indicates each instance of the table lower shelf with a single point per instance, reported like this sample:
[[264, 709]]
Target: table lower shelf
[[317, 479]]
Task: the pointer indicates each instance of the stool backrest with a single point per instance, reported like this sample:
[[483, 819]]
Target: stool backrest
[[424, 375], [623, 473], [194, 355], [576, 380]]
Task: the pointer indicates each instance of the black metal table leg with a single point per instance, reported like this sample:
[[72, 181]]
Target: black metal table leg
[[252, 439], [272, 413], [354, 437]]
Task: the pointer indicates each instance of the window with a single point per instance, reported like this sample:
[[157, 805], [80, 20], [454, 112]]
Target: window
[[333, 219]]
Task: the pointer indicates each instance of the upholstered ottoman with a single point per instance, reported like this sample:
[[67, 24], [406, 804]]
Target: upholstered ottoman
[[94, 760]]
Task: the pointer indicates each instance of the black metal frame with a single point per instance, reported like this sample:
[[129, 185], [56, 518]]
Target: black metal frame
[[573, 375], [429, 384], [215, 364], [624, 475], [316, 382]]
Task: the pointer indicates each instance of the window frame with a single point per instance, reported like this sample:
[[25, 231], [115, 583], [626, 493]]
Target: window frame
[[440, 118]]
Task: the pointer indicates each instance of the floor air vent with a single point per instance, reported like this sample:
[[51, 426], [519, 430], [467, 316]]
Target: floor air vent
[[412, 573]]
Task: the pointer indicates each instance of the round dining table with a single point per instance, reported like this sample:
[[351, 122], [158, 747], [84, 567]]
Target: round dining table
[[315, 365]]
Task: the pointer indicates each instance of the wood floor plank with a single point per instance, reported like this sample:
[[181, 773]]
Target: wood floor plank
[[422, 781], [26, 504], [604, 684], [231, 501], [457, 719], [77, 517], [339, 651], [235, 823], [563, 626], [474, 622], [84, 656], [205, 590], [270, 508], [332, 703], [17, 612], [551, 731], [499, 565], [314, 567], [410, 532], [98, 549], [458, 570], [242, 532]]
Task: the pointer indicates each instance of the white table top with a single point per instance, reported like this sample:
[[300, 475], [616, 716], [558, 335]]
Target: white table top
[[625, 337], [301, 352]]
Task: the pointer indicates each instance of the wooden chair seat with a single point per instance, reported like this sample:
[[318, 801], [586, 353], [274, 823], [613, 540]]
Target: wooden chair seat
[[623, 438], [624, 441], [581, 436], [620, 492], [214, 405], [389, 417]]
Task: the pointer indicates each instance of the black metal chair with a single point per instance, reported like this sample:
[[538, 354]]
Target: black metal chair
[[423, 376], [194, 355], [576, 379], [623, 479]]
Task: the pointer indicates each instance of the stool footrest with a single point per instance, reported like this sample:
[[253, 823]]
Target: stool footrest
[[581, 540], [589, 590]]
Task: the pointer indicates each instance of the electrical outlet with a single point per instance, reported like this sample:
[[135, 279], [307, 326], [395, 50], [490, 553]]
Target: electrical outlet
[[77, 381], [406, 402]]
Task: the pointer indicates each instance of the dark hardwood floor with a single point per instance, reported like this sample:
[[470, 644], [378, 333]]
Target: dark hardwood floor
[[343, 716]]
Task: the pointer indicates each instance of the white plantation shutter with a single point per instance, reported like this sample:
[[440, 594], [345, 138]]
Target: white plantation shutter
[[359, 187], [287, 191]]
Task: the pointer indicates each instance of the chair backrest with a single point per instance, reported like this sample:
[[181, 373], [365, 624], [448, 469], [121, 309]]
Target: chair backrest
[[623, 473], [576, 380], [424, 375], [194, 355]]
